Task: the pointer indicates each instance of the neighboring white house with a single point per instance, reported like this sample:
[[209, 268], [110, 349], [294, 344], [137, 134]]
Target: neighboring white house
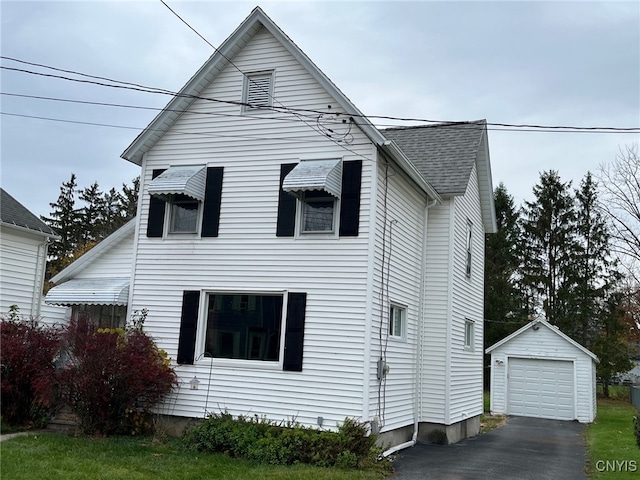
[[96, 285], [300, 263], [23, 256], [538, 371]]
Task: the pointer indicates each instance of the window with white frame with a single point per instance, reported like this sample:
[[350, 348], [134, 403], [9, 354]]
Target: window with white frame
[[183, 214], [244, 326], [397, 322], [468, 249], [469, 334], [257, 91], [318, 212]]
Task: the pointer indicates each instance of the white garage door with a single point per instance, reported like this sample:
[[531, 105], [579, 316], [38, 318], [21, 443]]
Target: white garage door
[[540, 388]]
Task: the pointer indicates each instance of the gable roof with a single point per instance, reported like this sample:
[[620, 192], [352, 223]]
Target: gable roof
[[444, 153], [14, 214], [551, 328], [406, 146], [104, 246]]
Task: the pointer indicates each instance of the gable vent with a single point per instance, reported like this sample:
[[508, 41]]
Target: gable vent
[[258, 90]]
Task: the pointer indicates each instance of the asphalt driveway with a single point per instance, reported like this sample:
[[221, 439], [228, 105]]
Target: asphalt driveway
[[523, 449]]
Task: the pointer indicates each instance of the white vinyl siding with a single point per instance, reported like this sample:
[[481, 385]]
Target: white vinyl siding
[[466, 367], [247, 255], [401, 280], [543, 345], [115, 262], [436, 313], [21, 271]]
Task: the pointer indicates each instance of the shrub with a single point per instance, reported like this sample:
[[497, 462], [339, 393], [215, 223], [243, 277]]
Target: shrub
[[114, 377], [264, 441], [28, 386]]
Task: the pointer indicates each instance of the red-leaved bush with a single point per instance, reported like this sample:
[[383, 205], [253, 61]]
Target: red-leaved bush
[[113, 377], [28, 375]]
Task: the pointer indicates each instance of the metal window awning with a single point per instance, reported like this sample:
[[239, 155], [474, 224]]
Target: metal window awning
[[190, 181], [310, 175], [90, 291]]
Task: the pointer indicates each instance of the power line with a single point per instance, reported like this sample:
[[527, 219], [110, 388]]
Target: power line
[[175, 130]]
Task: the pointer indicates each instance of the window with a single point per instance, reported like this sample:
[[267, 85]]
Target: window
[[183, 214], [468, 334], [468, 250], [103, 316], [318, 209], [258, 91], [397, 321], [244, 326]]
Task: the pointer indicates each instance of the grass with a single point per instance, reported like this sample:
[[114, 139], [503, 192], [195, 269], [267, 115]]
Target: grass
[[490, 422], [53, 456], [613, 453]]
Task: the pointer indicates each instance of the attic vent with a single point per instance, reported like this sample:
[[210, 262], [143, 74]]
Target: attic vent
[[258, 90]]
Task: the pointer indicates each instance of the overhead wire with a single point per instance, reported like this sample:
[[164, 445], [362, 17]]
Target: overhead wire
[[501, 126]]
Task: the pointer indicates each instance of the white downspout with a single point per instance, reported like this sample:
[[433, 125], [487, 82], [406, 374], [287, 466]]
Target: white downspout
[[418, 359]]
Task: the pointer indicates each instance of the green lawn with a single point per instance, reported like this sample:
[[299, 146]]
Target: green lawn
[[52, 456], [613, 453]]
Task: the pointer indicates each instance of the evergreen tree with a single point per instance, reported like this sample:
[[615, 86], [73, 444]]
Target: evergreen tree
[[549, 247], [129, 199], [92, 214], [610, 345], [593, 272], [504, 306], [65, 223]]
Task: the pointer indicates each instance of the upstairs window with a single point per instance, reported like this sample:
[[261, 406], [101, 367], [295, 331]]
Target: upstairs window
[[318, 210], [468, 249], [258, 91], [184, 213]]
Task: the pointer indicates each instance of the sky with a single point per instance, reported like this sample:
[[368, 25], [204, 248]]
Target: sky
[[536, 63]]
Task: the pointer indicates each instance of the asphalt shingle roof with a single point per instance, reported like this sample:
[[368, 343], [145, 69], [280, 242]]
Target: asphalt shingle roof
[[13, 212], [443, 153]]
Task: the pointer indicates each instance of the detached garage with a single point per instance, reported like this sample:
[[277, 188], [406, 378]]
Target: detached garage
[[538, 371]]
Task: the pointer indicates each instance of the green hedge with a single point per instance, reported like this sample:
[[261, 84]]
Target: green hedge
[[285, 443]]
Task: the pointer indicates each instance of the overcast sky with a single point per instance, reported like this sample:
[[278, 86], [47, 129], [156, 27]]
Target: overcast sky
[[542, 63]]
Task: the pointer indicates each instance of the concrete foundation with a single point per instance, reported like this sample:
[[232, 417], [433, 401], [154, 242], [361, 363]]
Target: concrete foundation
[[432, 433]]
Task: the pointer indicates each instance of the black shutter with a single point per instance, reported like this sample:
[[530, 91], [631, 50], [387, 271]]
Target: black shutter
[[350, 202], [286, 206], [155, 222], [294, 334], [212, 200], [188, 325]]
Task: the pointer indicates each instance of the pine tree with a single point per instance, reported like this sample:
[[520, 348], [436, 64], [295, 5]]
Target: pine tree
[[504, 305], [64, 221], [92, 214], [549, 247], [593, 273]]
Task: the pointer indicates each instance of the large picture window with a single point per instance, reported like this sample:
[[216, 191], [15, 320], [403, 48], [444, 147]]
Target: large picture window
[[244, 326]]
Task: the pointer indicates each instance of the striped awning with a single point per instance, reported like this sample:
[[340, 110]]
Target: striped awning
[[190, 181], [310, 175], [90, 291]]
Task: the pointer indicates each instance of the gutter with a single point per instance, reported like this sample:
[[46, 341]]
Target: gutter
[[418, 359]]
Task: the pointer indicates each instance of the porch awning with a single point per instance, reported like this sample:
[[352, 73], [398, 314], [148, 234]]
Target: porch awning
[[190, 181], [315, 175], [90, 291]]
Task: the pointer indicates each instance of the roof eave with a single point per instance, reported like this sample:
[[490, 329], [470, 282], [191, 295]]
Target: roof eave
[[33, 231]]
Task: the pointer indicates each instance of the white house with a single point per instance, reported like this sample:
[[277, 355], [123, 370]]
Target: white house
[[299, 262], [96, 285], [538, 371], [24, 239]]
